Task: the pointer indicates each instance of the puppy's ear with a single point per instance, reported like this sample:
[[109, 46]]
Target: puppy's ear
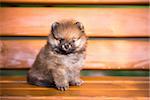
[[54, 26], [80, 26]]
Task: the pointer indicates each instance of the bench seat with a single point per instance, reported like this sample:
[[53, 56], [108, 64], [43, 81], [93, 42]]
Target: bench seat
[[99, 88]]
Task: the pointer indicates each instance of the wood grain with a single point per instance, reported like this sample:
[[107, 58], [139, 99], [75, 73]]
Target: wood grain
[[98, 22], [78, 1], [101, 54], [73, 98], [95, 88], [93, 79]]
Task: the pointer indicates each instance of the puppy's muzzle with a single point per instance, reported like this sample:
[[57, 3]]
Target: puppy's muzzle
[[66, 47]]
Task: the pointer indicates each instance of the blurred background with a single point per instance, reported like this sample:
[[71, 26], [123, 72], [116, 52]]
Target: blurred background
[[118, 32]]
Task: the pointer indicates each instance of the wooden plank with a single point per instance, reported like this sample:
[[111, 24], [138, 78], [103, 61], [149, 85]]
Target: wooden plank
[[95, 86], [101, 54], [77, 1], [89, 79], [75, 93], [98, 22], [73, 98], [121, 87]]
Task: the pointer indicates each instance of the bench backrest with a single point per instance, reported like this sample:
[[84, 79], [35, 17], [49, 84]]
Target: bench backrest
[[118, 35]]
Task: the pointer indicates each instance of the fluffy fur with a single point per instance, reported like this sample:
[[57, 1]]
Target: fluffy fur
[[59, 62]]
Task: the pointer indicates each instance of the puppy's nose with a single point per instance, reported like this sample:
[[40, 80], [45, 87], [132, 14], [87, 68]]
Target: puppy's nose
[[66, 46]]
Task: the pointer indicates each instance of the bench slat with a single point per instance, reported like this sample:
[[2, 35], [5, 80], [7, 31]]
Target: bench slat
[[99, 22], [76, 93], [74, 98], [108, 79], [78, 1], [129, 89], [101, 54], [92, 85]]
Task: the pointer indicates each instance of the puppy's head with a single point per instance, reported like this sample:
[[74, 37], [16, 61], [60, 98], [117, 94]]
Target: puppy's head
[[67, 37]]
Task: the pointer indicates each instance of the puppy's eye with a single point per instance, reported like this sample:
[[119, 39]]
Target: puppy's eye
[[60, 40], [74, 40]]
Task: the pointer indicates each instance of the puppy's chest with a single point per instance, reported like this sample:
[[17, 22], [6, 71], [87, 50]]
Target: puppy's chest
[[72, 60]]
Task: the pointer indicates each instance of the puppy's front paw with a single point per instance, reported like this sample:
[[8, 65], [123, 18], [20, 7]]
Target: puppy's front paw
[[77, 82], [62, 87]]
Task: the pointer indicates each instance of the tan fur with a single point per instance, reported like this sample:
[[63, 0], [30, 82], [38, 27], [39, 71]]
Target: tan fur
[[52, 68], [71, 31]]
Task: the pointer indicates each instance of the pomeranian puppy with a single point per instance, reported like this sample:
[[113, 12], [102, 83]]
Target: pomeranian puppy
[[59, 62]]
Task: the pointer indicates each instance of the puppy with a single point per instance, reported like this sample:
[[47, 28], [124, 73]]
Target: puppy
[[59, 62]]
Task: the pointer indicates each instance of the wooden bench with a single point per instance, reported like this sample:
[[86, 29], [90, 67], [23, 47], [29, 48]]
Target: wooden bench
[[118, 40]]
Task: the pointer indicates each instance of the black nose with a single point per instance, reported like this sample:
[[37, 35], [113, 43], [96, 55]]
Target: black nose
[[66, 46]]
